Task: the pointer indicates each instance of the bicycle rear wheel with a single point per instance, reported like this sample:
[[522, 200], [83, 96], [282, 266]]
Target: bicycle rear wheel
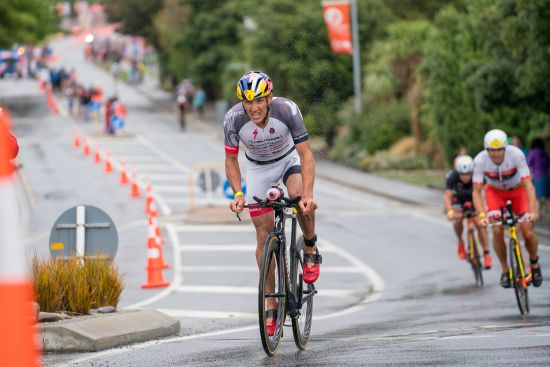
[[301, 325], [518, 280], [475, 259], [271, 291]]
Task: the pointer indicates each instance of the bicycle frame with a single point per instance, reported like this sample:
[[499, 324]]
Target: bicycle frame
[[516, 271], [513, 234], [293, 304], [473, 249]]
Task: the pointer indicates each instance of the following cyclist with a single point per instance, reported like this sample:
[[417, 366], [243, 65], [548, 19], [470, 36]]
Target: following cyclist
[[276, 147], [458, 192], [508, 178]]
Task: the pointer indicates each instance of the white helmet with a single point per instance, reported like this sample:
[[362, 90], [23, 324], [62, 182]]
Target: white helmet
[[464, 164], [495, 139]]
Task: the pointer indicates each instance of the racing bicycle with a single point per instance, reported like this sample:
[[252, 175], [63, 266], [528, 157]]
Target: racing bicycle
[[278, 280], [518, 276], [474, 257]]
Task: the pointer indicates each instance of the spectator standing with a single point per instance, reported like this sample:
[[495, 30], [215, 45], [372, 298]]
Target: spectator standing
[[199, 101], [516, 141], [539, 162]]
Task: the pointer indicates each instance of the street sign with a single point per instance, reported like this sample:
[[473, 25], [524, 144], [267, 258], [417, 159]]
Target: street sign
[[209, 182], [84, 230]]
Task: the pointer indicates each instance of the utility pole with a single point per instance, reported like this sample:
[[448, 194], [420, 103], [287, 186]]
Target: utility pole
[[356, 58]]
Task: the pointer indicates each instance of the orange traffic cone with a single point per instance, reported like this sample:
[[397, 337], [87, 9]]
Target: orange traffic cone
[[76, 140], [18, 338], [86, 148], [108, 165], [123, 176], [97, 157], [135, 188], [149, 198], [158, 237], [155, 278]]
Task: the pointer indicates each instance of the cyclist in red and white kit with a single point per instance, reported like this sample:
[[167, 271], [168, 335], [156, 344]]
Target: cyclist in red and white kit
[[508, 178], [276, 147]]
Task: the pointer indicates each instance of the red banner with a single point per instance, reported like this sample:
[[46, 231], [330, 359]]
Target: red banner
[[337, 20]]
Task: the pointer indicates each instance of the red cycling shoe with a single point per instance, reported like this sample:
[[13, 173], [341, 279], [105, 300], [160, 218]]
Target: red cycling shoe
[[311, 274], [271, 321]]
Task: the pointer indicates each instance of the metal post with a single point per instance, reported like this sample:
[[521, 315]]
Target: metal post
[[80, 230], [208, 183], [356, 57]]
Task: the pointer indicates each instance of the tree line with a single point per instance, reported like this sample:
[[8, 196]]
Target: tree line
[[440, 71]]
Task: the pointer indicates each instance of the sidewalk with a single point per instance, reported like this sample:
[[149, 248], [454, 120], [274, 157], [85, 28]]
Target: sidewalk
[[343, 175]]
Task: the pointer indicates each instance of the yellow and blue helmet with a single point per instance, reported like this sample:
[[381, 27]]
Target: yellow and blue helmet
[[254, 84], [495, 139]]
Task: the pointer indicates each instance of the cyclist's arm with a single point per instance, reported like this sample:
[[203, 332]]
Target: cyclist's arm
[[478, 199], [447, 197], [233, 172], [307, 163]]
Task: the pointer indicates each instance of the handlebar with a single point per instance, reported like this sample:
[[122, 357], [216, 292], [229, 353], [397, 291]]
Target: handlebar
[[280, 203], [507, 216]]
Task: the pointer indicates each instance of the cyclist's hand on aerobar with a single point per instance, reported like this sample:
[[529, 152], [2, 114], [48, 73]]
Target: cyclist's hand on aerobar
[[307, 205], [484, 222], [451, 215], [237, 205], [533, 217]]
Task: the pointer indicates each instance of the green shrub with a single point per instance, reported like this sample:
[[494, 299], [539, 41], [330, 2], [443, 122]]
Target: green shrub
[[381, 126], [387, 161], [75, 285]]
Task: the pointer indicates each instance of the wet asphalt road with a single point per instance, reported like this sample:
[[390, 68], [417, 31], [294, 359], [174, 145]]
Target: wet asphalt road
[[425, 309]]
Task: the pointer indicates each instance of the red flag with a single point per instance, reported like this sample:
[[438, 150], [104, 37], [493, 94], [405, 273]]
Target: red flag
[[337, 20]]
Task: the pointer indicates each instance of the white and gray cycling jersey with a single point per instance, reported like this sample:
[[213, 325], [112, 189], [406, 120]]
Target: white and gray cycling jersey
[[505, 176], [284, 129]]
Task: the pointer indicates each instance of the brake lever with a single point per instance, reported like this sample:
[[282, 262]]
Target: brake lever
[[238, 217]]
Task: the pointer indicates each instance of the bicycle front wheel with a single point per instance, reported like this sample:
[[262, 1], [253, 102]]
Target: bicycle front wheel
[[301, 325], [475, 259], [271, 293], [517, 276]]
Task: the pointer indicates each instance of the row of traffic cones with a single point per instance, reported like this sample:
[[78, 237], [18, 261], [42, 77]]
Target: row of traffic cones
[[52, 104], [134, 188], [155, 257]]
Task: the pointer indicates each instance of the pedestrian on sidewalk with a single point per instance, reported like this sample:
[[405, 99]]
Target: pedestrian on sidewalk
[[199, 101], [539, 162]]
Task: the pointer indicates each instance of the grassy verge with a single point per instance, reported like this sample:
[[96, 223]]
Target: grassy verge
[[431, 178], [74, 285]]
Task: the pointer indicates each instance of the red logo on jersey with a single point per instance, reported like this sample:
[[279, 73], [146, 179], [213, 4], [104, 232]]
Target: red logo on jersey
[[272, 131], [255, 132]]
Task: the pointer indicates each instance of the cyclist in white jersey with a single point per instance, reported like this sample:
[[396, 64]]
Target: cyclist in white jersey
[[276, 147], [508, 178]]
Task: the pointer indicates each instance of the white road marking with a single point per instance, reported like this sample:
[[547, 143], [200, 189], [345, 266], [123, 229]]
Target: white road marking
[[368, 272], [213, 228], [148, 167], [217, 248], [168, 177], [174, 188], [179, 166], [203, 200], [213, 289], [229, 248], [209, 314], [254, 269]]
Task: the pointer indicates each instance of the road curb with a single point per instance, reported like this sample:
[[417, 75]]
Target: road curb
[[104, 331]]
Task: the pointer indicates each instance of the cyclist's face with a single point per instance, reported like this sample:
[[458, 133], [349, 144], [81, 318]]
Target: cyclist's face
[[257, 109], [496, 155], [465, 177]]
